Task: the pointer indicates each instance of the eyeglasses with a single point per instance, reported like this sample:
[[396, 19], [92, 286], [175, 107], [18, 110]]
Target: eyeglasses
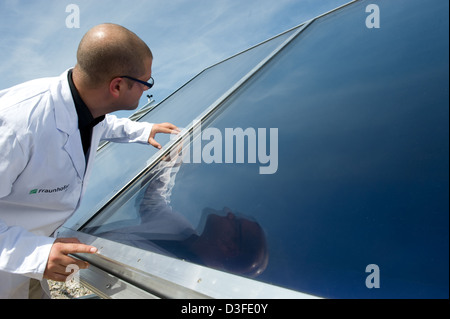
[[147, 84]]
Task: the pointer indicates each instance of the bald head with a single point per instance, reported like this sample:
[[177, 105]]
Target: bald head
[[108, 51]]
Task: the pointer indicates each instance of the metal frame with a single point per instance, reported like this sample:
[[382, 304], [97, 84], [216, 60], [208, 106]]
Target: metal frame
[[136, 273]]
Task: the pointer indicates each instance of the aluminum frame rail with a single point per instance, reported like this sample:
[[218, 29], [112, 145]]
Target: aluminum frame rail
[[135, 273]]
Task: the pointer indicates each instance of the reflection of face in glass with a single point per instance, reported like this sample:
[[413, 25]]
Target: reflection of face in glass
[[236, 244], [225, 233]]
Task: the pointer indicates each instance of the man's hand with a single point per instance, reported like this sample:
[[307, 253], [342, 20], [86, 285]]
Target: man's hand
[[167, 128], [58, 259]]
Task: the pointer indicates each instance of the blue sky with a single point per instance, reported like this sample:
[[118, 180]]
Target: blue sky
[[186, 36]]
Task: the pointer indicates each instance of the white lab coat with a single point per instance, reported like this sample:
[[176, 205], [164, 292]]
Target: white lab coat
[[43, 173]]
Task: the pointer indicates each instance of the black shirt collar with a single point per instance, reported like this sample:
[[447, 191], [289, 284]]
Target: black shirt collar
[[85, 118], [86, 121]]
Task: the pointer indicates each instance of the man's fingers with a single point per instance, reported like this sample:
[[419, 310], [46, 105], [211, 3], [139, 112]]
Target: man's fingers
[[68, 261], [154, 143], [61, 272], [167, 128], [63, 260], [72, 248], [60, 265]]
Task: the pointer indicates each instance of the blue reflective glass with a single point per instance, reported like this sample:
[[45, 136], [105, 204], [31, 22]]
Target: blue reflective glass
[[362, 175]]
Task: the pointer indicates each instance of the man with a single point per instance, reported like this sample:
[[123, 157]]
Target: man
[[49, 132]]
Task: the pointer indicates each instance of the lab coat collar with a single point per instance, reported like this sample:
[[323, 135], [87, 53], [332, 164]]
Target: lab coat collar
[[67, 121]]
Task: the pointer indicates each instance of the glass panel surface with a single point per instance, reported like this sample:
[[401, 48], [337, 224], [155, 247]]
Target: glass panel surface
[[117, 164], [361, 179]]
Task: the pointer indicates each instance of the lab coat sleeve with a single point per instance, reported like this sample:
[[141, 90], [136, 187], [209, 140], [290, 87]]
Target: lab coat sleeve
[[22, 252], [124, 130]]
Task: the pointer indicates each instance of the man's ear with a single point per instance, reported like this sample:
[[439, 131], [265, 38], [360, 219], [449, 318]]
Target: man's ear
[[115, 86]]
